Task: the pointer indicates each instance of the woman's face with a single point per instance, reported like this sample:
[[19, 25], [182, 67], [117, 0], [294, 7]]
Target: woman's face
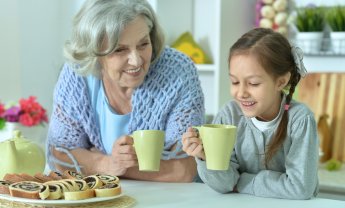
[[256, 92], [128, 65]]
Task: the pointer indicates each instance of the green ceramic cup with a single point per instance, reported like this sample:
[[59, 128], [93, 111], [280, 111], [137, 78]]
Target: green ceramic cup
[[148, 145], [218, 141]]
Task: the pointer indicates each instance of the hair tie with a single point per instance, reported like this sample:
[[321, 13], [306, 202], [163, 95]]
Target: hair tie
[[297, 54], [286, 107]]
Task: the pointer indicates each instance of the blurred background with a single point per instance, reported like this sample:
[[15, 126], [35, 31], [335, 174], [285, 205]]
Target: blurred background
[[33, 33]]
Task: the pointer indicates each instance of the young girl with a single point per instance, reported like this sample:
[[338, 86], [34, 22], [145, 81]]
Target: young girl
[[276, 152]]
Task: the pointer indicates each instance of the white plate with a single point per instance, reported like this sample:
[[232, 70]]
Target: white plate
[[58, 202]]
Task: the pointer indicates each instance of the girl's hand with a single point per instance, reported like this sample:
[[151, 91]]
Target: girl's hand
[[192, 145], [123, 156]]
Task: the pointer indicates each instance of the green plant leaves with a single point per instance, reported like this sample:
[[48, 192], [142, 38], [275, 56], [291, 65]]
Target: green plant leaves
[[313, 19], [333, 165], [310, 19], [335, 18], [2, 123]]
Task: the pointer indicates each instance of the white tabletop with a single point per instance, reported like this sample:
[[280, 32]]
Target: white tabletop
[[180, 195], [332, 181]]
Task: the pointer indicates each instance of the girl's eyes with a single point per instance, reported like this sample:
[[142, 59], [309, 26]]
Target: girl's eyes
[[251, 84]]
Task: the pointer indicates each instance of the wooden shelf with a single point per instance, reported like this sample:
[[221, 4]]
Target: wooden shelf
[[322, 64], [206, 67]]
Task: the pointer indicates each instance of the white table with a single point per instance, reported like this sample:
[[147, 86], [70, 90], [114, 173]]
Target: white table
[[180, 195], [332, 181]]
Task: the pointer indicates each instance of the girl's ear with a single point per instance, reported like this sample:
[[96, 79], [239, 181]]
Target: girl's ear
[[283, 81]]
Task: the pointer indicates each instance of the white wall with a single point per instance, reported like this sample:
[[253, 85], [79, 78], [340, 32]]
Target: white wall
[[32, 37], [300, 3], [10, 84], [31, 40]]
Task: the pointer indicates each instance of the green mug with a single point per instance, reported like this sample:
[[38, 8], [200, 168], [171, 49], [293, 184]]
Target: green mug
[[148, 145], [218, 142]]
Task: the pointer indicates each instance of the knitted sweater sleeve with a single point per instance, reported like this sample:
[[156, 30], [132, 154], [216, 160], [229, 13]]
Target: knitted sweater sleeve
[[170, 99], [188, 109], [71, 124]]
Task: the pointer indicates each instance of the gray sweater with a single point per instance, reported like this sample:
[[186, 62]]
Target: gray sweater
[[291, 174]]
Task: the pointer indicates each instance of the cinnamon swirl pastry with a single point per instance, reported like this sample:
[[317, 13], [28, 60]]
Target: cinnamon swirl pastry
[[82, 185], [110, 189], [55, 191], [13, 178], [4, 187], [93, 181], [72, 175], [108, 178], [55, 175], [28, 189], [41, 177], [78, 195]]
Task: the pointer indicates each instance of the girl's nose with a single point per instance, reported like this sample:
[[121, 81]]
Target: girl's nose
[[242, 91], [134, 59]]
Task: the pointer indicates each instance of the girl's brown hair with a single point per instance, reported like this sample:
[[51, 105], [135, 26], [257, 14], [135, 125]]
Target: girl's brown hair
[[273, 52]]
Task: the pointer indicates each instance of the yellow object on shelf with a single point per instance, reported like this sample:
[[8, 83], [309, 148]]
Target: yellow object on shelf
[[186, 44], [333, 165]]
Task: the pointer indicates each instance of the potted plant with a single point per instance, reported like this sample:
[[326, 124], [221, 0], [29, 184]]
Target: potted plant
[[27, 116], [310, 22], [335, 19]]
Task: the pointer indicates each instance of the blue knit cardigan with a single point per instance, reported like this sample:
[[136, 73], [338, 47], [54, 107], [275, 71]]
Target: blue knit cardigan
[[169, 99]]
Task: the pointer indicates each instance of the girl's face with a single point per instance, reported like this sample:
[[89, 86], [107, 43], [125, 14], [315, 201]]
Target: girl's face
[[128, 65], [256, 92]]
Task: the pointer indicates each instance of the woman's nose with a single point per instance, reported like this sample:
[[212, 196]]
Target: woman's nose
[[134, 59]]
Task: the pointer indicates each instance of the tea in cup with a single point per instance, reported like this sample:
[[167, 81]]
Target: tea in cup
[[148, 145], [218, 142]]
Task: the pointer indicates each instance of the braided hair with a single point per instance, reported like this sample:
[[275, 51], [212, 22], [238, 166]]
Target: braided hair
[[273, 52]]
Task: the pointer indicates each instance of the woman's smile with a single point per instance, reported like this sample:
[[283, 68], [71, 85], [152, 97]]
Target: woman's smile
[[134, 72]]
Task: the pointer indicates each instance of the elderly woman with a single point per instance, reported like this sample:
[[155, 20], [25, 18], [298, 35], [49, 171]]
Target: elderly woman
[[119, 78]]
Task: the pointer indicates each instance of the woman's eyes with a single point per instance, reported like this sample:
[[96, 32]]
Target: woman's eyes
[[119, 50], [140, 47], [143, 45]]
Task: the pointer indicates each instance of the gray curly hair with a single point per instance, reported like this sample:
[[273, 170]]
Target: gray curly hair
[[99, 23]]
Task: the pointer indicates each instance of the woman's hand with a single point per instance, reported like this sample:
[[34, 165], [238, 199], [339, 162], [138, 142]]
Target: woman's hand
[[94, 161], [192, 144], [123, 156]]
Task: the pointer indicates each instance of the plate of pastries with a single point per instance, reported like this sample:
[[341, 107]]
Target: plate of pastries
[[55, 188]]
